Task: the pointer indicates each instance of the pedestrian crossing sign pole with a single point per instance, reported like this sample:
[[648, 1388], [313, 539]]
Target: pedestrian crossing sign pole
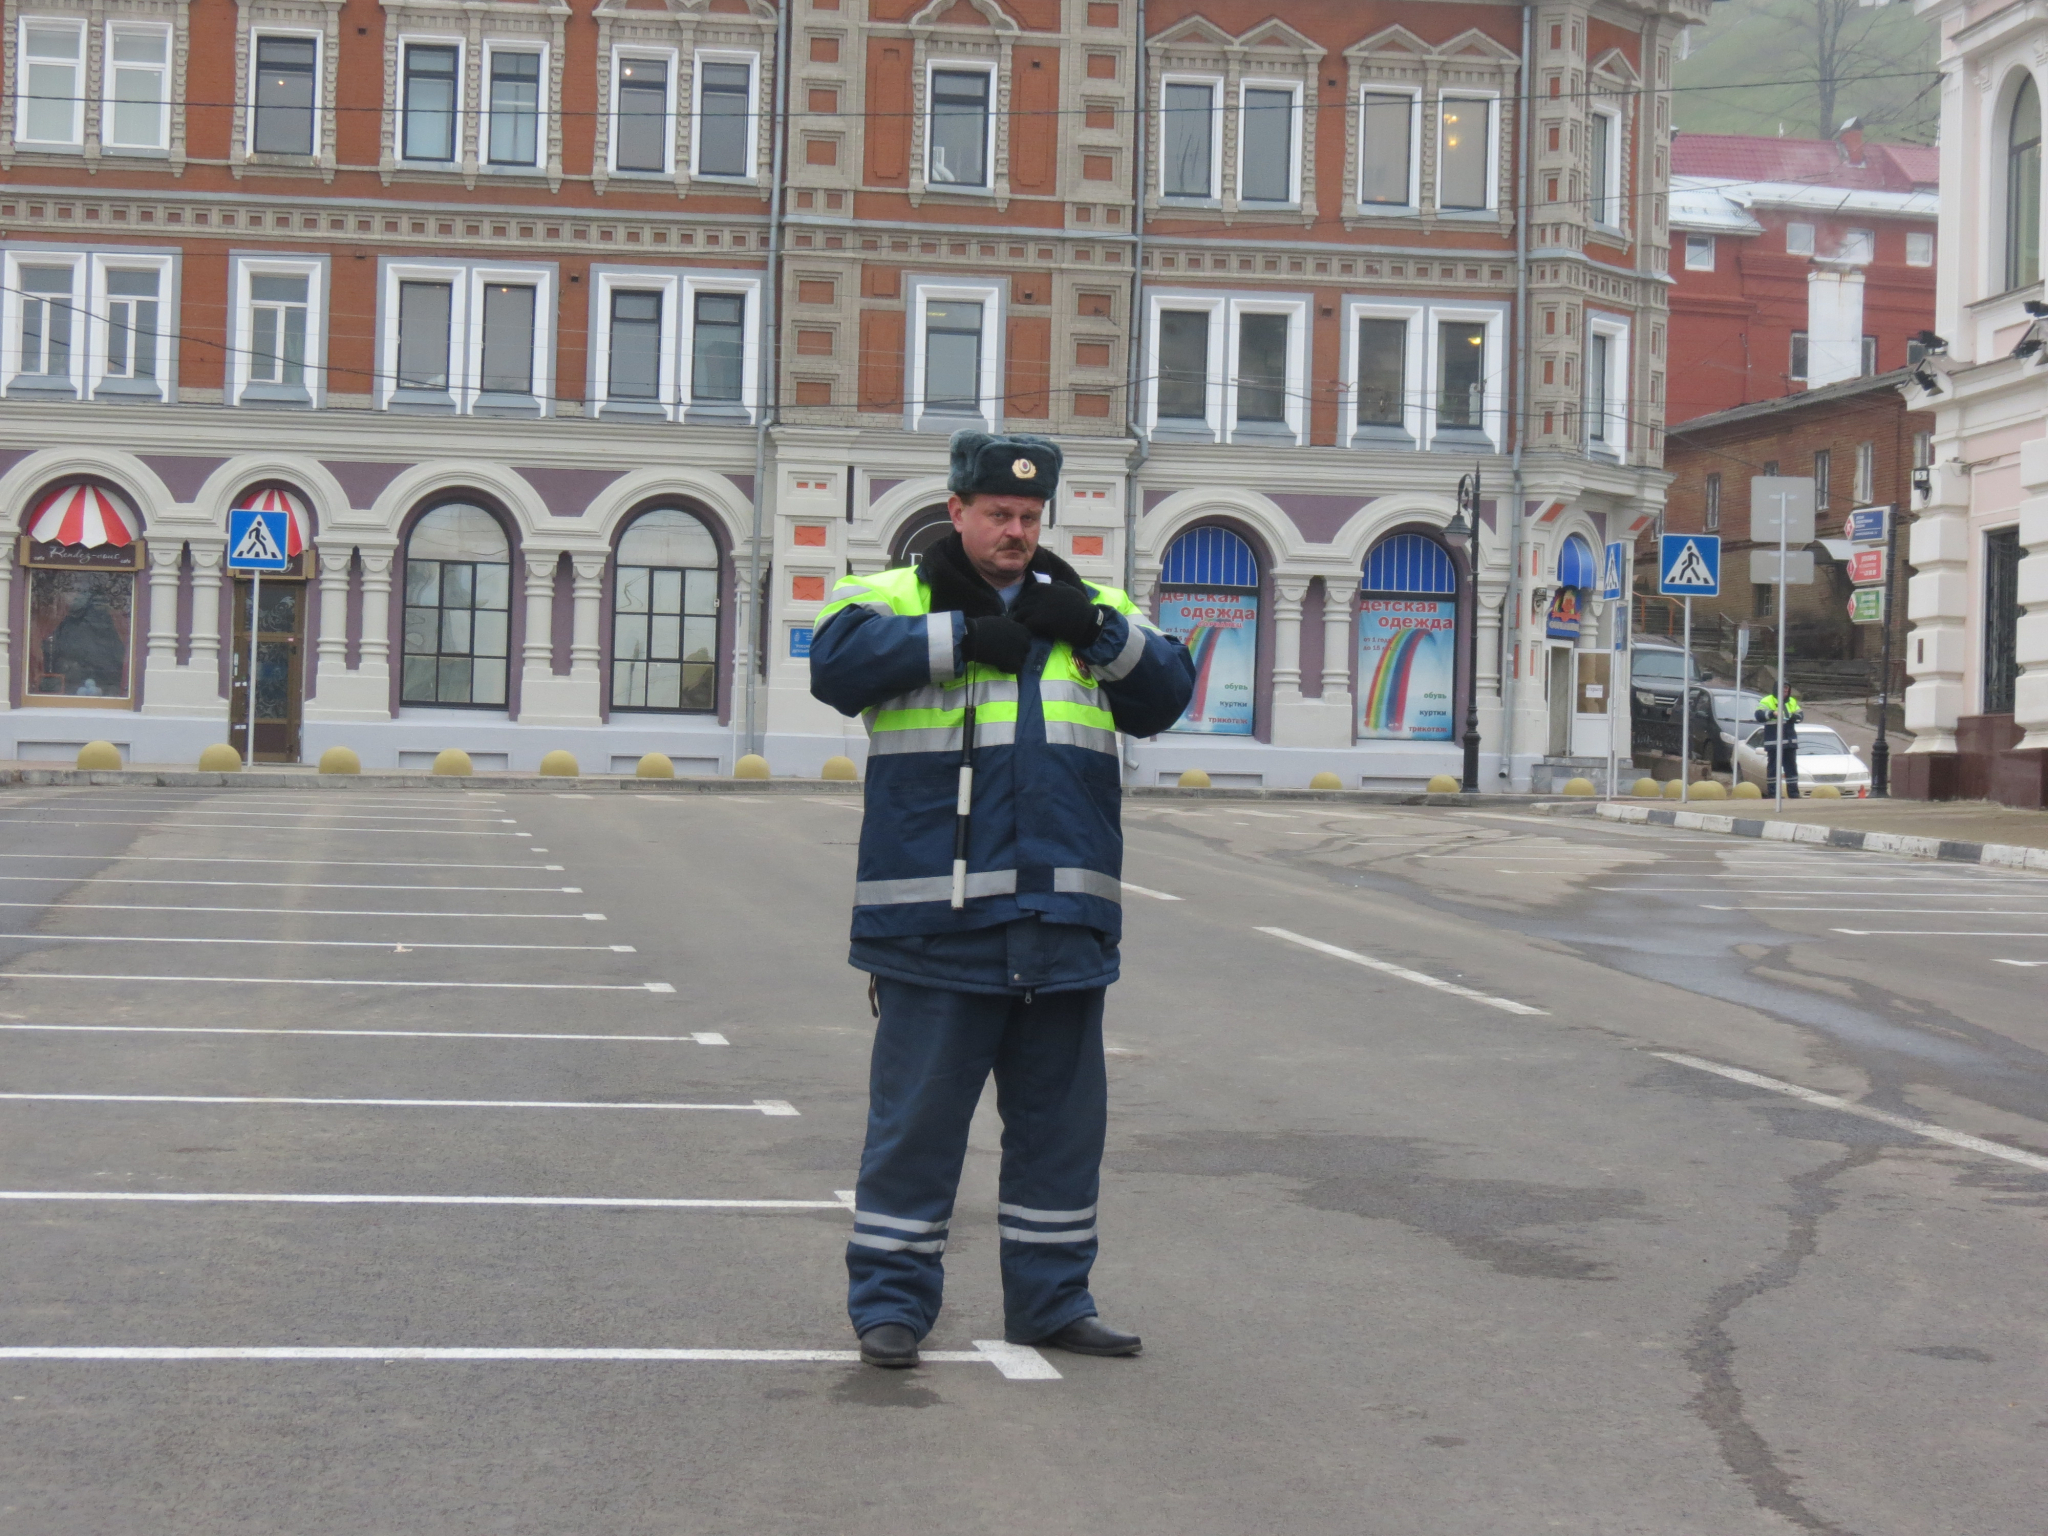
[[1688, 566], [256, 543]]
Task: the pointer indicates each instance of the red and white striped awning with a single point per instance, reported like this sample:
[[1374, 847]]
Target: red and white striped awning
[[300, 526], [82, 514]]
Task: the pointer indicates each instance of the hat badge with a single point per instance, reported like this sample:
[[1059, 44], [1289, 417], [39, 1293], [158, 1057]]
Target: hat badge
[[1024, 469]]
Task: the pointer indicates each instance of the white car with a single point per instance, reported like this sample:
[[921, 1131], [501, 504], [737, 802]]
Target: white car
[[1824, 758]]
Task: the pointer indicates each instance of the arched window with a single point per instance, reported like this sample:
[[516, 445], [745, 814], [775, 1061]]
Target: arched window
[[665, 615], [919, 534], [458, 608], [2023, 188], [1407, 641], [81, 555], [1209, 597]]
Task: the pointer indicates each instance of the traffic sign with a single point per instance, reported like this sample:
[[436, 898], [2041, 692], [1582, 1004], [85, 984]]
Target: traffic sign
[[1866, 567], [1763, 567], [1866, 605], [1614, 575], [256, 540], [1689, 565], [1781, 498], [1867, 525]]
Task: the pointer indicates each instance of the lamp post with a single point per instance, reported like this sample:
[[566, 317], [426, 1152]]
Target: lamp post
[[1464, 538]]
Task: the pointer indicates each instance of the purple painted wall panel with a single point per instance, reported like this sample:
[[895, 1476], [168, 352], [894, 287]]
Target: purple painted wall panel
[[745, 484], [364, 482], [353, 626], [1320, 517], [1153, 498], [877, 489], [185, 607], [562, 617], [567, 492], [181, 476], [1312, 641]]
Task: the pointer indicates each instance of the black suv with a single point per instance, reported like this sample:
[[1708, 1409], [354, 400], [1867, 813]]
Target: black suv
[[1657, 673]]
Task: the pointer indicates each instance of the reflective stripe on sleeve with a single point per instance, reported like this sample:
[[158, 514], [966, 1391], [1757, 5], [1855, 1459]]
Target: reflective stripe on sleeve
[[1126, 660], [1019, 1235], [1025, 1213], [1082, 882], [893, 893], [895, 1244], [938, 635]]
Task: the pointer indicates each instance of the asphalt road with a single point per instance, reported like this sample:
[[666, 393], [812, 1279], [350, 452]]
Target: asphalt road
[[1460, 1230]]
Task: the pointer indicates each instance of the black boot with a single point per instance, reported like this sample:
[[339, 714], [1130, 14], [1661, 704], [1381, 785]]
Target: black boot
[[890, 1345], [1090, 1336]]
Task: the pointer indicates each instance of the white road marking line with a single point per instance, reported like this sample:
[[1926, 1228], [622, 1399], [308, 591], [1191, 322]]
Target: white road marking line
[[1139, 890], [1016, 1362], [1708, 890], [758, 1107], [1269, 815], [116, 906], [595, 1202], [286, 885], [845, 1197], [387, 944], [181, 858], [343, 981], [1506, 1005], [2021, 962], [1746, 906], [1849, 1107], [186, 826], [194, 816], [1941, 933], [700, 1037]]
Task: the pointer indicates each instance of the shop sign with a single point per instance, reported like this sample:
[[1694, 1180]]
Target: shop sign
[[1221, 631], [75, 557], [800, 642], [1866, 567], [1866, 605], [1562, 622], [1407, 665], [1868, 525]]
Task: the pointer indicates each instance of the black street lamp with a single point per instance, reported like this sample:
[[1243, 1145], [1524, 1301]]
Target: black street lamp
[[1464, 538]]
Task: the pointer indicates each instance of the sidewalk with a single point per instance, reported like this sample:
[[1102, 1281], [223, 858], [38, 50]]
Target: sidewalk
[[1969, 821]]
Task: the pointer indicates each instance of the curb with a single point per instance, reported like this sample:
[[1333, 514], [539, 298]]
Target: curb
[[2000, 855], [79, 778]]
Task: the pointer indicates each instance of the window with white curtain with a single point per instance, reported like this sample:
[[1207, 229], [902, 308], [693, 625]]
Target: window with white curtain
[[137, 111], [724, 136], [1267, 145], [429, 101], [1387, 161], [51, 70], [957, 127], [512, 136]]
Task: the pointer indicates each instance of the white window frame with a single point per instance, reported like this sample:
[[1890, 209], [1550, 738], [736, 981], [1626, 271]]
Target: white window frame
[[1914, 235], [1217, 306], [1493, 105], [543, 109], [391, 273], [12, 299], [541, 278], [749, 288], [1713, 252], [1215, 84], [1296, 419], [1616, 425], [21, 57], [1413, 370], [1391, 210], [320, 103], [1608, 217], [1295, 127], [651, 53], [401, 110], [1493, 405], [1859, 247], [1865, 474], [990, 296], [1798, 238], [987, 188], [726, 56], [603, 282], [244, 266], [107, 100], [98, 319]]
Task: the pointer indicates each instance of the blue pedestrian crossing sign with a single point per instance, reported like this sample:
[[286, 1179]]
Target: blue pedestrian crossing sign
[[256, 540], [1689, 565], [1614, 574]]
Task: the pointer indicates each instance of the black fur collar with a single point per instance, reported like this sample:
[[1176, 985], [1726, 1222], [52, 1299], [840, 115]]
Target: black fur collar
[[957, 587]]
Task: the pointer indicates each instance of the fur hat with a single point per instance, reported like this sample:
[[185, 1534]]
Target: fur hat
[[1004, 464]]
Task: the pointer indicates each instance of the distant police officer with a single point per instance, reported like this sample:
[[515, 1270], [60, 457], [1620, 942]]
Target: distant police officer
[[991, 646], [1767, 710]]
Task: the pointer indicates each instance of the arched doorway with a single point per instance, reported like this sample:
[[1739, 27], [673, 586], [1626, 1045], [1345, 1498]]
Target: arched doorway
[[1209, 597], [920, 532], [1571, 670], [1408, 641], [280, 637]]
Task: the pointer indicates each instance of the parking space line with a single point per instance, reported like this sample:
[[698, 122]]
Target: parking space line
[[697, 1037], [115, 906], [284, 885], [187, 826], [771, 1107], [1708, 890], [2020, 962], [392, 945], [196, 817], [180, 858], [1506, 1005], [594, 1202], [344, 981], [1015, 1362], [1940, 933], [1140, 890], [1850, 1107], [1745, 906]]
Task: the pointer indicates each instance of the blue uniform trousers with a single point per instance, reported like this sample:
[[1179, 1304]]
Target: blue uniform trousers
[[934, 1049]]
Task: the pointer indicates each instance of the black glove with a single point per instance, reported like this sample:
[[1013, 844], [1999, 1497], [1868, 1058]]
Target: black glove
[[1058, 612], [996, 642]]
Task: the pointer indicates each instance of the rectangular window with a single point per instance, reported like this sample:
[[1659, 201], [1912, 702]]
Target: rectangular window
[[424, 313], [1262, 368], [1799, 239], [1919, 249], [1699, 253], [1465, 171], [277, 329], [46, 321], [1798, 368], [80, 629], [640, 135], [959, 128], [507, 362], [1386, 125], [514, 136], [132, 323], [1711, 523], [1763, 599], [1184, 364], [1869, 356], [53, 71], [1599, 355], [457, 625], [1605, 203], [284, 95], [725, 122], [1859, 245], [952, 355], [2002, 554], [1461, 374], [138, 88], [1382, 372], [1823, 464], [429, 129], [665, 636], [1187, 148], [635, 346], [718, 348], [1265, 150], [1866, 472]]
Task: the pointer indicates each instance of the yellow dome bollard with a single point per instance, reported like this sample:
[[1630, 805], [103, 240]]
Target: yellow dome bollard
[[220, 758], [340, 760], [99, 754], [752, 766], [1825, 792], [1745, 791], [1194, 778], [1646, 788], [1710, 789], [655, 765], [1674, 789], [453, 764], [841, 768], [559, 765], [1444, 784], [1326, 780], [1579, 787]]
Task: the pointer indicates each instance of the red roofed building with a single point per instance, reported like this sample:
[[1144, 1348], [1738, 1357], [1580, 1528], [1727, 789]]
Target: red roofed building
[[1798, 262]]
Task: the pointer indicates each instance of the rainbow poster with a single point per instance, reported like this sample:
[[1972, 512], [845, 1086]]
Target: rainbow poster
[[1407, 662], [1221, 631]]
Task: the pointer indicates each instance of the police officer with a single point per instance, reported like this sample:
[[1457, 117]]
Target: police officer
[[1012, 979], [1767, 710]]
